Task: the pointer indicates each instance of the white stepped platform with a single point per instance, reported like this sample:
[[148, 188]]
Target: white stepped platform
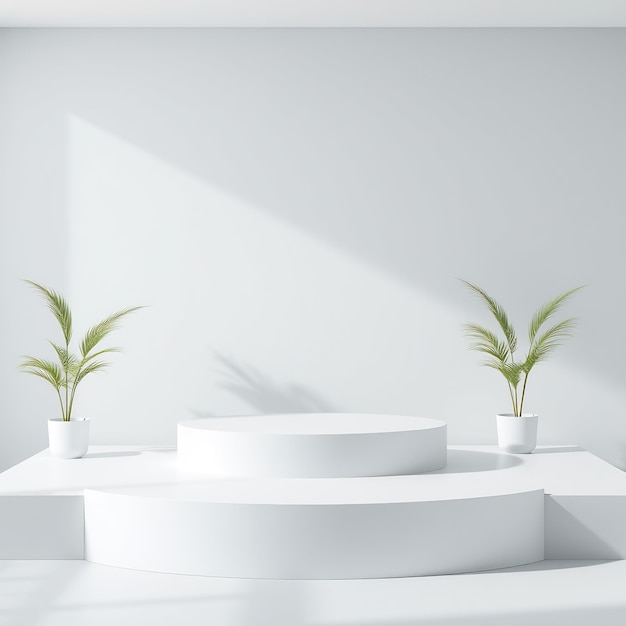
[[283, 530], [142, 511], [322, 445]]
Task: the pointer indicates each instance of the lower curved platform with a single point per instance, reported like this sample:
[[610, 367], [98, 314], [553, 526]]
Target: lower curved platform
[[50, 506], [309, 445], [318, 528]]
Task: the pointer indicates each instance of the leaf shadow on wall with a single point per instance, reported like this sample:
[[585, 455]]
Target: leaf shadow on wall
[[261, 393]]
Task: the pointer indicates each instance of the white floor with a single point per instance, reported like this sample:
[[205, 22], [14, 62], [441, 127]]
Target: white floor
[[72, 593]]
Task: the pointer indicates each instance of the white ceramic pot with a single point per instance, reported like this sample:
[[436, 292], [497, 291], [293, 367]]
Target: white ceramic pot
[[517, 434], [68, 440]]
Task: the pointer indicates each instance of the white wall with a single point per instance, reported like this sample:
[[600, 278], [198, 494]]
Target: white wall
[[295, 206]]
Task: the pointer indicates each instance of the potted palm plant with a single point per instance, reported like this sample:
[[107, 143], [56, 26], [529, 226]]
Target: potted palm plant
[[69, 436], [517, 431]]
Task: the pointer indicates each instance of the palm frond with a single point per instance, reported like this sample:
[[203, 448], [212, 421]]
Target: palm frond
[[486, 341], [48, 370], [59, 307], [498, 313], [546, 343], [98, 332], [546, 311], [500, 353], [94, 366], [512, 372], [95, 355], [72, 369], [68, 361]]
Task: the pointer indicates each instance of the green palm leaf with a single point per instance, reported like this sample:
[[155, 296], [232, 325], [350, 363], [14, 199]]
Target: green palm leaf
[[486, 341], [95, 355], [498, 313], [71, 369], [511, 371], [546, 311], [500, 353], [98, 332], [94, 366], [546, 343], [69, 362], [59, 307], [48, 370]]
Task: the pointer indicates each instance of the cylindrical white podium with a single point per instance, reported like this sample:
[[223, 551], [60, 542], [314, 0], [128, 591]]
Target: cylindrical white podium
[[312, 445]]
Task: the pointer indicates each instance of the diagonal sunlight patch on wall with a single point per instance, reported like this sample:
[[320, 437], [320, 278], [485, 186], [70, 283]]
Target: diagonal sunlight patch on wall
[[223, 277], [301, 322]]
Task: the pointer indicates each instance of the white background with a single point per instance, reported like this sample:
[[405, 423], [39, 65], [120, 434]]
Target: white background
[[295, 206]]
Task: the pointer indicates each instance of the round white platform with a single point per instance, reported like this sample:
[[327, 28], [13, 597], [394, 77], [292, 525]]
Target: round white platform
[[328, 528], [312, 445]]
